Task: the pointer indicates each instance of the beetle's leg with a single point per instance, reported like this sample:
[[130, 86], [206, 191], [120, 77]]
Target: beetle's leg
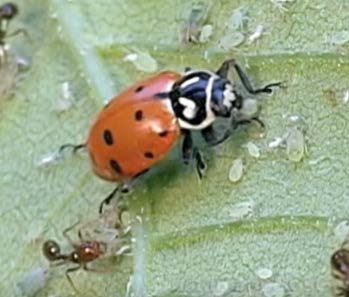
[[93, 269], [67, 272], [190, 152], [74, 147], [187, 147], [247, 84], [107, 199], [200, 164], [209, 134], [225, 67], [120, 191]]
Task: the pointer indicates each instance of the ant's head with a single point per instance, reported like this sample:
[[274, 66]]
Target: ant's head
[[8, 11]]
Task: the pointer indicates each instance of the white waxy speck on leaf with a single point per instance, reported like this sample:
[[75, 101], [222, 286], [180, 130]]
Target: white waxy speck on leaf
[[258, 32], [276, 142], [130, 57], [49, 159], [142, 60], [346, 97]]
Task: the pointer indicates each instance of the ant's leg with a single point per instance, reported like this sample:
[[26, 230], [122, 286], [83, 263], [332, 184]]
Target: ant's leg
[[67, 237], [68, 271]]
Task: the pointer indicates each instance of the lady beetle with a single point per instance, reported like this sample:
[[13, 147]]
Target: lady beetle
[[137, 128]]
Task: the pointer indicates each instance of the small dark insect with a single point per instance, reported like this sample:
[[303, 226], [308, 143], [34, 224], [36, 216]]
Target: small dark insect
[[7, 12], [340, 271], [84, 251]]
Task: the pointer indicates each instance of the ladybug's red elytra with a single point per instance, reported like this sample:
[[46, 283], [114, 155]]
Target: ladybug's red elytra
[[137, 128]]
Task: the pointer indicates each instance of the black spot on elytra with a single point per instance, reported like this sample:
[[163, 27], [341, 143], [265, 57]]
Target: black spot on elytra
[[139, 115], [108, 137], [149, 155], [139, 89], [116, 166], [163, 133]]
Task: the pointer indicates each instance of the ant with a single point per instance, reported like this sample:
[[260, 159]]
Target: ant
[[7, 12], [340, 270], [85, 251]]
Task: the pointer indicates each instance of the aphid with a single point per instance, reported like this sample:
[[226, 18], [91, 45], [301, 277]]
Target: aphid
[[273, 290], [280, 4], [205, 33], [264, 273], [84, 252], [193, 25], [33, 281], [253, 149], [138, 128], [236, 170], [238, 19], [231, 40], [295, 144], [340, 271]]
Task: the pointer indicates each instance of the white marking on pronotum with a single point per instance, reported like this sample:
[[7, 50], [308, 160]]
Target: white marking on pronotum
[[189, 82], [229, 96], [190, 107]]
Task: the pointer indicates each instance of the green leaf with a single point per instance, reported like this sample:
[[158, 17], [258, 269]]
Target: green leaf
[[187, 242]]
